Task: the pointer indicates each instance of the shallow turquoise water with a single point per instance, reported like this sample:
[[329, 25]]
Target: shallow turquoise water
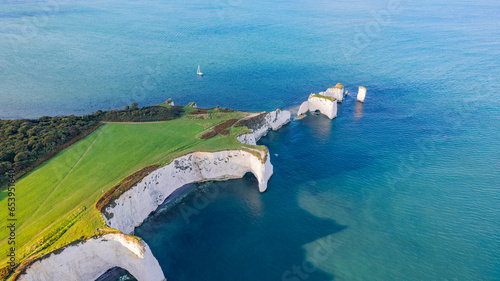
[[403, 187]]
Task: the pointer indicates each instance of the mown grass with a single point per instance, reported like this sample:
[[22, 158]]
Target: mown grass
[[55, 203]]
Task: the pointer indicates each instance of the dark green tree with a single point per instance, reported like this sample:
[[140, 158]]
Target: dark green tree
[[22, 156]]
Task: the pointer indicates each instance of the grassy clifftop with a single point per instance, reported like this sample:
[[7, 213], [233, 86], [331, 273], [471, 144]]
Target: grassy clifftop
[[55, 203], [323, 97], [338, 86]]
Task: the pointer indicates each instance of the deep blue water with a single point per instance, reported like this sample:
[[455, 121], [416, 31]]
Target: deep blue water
[[402, 187]]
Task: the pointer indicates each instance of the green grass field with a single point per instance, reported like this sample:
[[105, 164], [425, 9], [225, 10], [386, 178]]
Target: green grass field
[[55, 203]]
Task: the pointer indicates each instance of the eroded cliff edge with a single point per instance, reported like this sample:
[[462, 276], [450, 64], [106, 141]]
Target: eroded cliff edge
[[89, 259], [261, 123], [135, 205]]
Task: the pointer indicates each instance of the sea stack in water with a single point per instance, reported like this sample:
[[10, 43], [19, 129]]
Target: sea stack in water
[[361, 94], [336, 92], [325, 104]]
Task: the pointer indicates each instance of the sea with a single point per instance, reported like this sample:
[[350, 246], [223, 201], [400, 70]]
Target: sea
[[405, 186]]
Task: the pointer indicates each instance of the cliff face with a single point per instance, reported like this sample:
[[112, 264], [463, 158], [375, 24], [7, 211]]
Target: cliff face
[[326, 106], [361, 94], [336, 92], [262, 123], [90, 259], [135, 205]]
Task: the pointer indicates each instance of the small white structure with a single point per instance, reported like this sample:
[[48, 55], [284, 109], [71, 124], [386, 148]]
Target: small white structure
[[361, 94]]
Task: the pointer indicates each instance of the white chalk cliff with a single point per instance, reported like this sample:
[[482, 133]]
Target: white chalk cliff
[[325, 105], [137, 203], [262, 123], [90, 259], [361, 94], [170, 102]]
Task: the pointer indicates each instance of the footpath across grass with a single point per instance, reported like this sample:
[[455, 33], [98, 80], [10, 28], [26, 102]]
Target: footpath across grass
[[55, 203]]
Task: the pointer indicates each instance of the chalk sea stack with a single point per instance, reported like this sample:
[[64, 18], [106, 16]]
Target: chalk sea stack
[[169, 102], [336, 92], [325, 104], [361, 94]]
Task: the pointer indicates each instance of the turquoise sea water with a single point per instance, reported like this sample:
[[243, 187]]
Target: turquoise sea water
[[402, 187]]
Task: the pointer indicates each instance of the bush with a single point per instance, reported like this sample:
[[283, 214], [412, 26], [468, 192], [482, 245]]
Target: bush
[[50, 138], [252, 123], [199, 111], [145, 114], [5, 167], [208, 135], [224, 125]]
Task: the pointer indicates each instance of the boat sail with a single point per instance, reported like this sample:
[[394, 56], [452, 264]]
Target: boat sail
[[199, 71]]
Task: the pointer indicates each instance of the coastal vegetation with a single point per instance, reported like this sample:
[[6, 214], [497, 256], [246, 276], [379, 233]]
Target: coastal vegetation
[[219, 129], [338, 86], [59, 201], [26, 143]]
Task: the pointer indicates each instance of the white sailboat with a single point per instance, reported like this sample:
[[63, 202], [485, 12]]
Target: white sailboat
[[199, 72]]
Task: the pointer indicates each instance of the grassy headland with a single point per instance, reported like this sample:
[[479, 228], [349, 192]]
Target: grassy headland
[[56, 202]]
